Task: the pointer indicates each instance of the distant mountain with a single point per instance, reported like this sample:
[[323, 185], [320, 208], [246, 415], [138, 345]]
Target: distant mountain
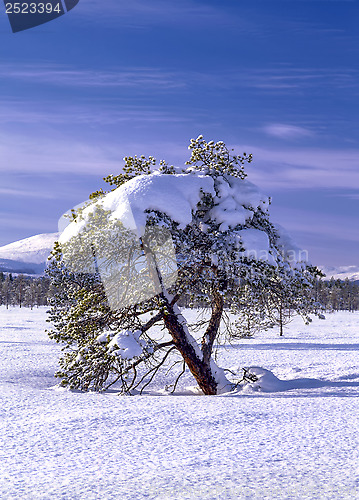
[[342, 272], [16, 267], [27, 256]]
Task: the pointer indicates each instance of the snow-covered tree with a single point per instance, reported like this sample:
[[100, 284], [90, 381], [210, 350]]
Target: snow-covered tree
[[129, 255], [283, 295], [250, 309]]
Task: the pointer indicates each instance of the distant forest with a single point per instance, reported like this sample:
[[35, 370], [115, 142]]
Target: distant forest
[[25, 291]]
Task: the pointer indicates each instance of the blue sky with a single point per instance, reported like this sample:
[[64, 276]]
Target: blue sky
[[277, 78]]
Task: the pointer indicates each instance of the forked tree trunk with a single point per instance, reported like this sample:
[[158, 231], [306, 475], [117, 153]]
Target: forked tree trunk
[[198, 362]]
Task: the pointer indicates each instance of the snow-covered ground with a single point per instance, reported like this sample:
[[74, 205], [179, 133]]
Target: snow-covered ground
[[294, 439]]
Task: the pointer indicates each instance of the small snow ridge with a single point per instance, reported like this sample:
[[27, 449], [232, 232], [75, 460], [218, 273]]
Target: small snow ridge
[[268, 382]]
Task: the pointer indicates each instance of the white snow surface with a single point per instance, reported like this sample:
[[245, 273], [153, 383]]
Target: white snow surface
[[293, 435], [35, 249]]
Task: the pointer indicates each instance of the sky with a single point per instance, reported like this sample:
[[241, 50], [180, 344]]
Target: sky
[[275, 78]]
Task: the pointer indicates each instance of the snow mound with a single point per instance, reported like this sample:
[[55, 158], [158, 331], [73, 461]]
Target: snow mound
[[256, 244], [126, 344], [268, 382]]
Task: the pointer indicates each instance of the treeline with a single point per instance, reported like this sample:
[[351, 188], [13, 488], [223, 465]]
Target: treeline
[[337, 295], [332, 295], [25, 291]]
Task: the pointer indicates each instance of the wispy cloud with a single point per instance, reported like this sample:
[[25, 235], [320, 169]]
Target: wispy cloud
[[26, 193], [142, 12], [89, 111], [351, 196], [54, 153], [22, 153], [52, 149], [24, 221], [156, 79], [282, 168], [305, 168], [329, 238], [285, 131], [289, 78], [140, 78], [312, 223]]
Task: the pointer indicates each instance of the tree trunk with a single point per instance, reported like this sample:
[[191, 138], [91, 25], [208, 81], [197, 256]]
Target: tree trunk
[[281, 320], [200, 370], [213, 327], [197, 361]]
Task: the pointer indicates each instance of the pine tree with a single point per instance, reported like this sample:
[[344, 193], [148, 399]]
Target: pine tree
[[115, 285]]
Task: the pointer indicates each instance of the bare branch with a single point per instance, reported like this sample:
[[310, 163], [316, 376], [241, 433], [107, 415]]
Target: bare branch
[[154, 370], [179, 376], [138, 361]]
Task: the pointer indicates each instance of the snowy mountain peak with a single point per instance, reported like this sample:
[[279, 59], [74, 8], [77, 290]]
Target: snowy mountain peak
[[34, 251], [342, 272]]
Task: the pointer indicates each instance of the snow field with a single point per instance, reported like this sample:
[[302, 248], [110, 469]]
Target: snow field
[[299, 440]]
